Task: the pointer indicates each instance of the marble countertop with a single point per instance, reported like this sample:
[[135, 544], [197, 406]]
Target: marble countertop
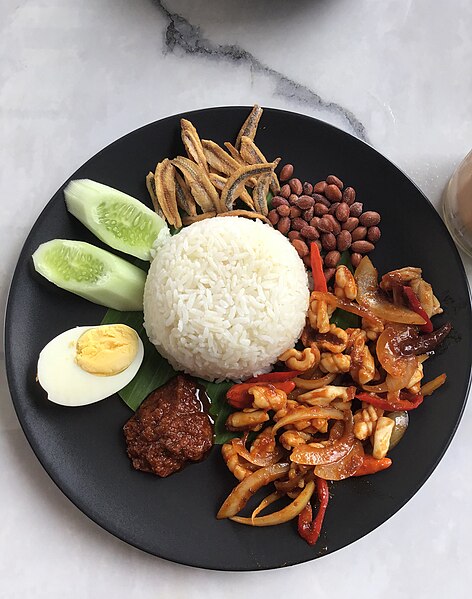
[[74, 76]]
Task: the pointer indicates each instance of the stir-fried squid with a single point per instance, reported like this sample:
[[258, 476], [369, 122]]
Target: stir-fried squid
[[328, 426]]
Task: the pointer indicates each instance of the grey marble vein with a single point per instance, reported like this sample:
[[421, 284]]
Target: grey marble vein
[[181, 34]]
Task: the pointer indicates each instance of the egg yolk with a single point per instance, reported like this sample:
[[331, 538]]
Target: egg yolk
[[107, 350]]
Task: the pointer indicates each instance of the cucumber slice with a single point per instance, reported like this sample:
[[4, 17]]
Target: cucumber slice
[[119, 220], [92, 273]]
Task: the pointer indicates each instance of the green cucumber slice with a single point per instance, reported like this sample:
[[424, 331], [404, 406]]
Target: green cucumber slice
[[92, 273], [119, 220]]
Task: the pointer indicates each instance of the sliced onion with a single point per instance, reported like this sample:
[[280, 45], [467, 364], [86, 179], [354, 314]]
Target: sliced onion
[[308, 414], [310, 384], [389, 356], [345, 467], [284, 515], [370, 296], [270, 458], [401, 420], [348, 306], [241, 494], [272, 498], [331, 450], [382, 388], [431, 386]]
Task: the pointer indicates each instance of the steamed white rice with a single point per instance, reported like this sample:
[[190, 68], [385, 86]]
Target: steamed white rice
[[224, 298]]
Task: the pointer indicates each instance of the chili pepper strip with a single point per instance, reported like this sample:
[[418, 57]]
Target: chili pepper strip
[[371, 465], [308, 528], [416, 306], [391, 406], [274, 377], [316, 262]]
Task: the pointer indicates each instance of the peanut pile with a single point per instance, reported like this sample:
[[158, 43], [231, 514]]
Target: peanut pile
[[327, 214]]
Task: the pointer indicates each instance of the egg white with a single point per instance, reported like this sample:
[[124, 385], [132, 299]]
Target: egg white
[[67, 384]]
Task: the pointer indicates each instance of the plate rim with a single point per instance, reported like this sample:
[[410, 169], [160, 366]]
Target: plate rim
[[8, 325]]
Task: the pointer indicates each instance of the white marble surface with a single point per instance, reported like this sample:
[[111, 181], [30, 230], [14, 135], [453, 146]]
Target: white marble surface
[[77, 74]]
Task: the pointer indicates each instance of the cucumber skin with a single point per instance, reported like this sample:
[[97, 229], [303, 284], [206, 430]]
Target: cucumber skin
[[122, 288], [83, 195]]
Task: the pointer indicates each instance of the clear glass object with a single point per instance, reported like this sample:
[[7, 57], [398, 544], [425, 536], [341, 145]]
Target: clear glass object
[[457, 205]]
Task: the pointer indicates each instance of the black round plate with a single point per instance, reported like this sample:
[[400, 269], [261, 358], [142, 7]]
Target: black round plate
[[83, 449]]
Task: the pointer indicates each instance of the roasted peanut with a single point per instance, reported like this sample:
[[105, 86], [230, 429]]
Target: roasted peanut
[[333, 208], [286, 173], [283, 210], [320, 199], [328, 274], [278, 201], [342, 212], [307, 188], [333, 180], [328, 241], [356, 209], [296, 186], [305, 202], [295, 212], [285, 191], [351, 223], [369, 218], [333, 193], [273, 217], [301, 247], [298, 224], [320, 187], [332, 258], [325, 225], [293, 199], [284, 225], [373, 234], [308, 214], [294, 235], [320, 209], [343, 241], [359, 233], [355, 259], [362, 247], [310, 233], [335, 223], [349, 196]]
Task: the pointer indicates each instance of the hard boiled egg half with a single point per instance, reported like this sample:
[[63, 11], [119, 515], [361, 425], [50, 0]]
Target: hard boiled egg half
[[87, 364]]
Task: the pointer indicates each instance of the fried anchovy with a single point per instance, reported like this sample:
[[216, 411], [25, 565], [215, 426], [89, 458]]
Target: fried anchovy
[[217, 158], [231, 189], [234, 152], [252, 155], [259, 194], [200, 185], [245, 213], [249, 128], [188, 220], [151, 187], [219, 182], [184, 197], [164, 179], [192, 143]]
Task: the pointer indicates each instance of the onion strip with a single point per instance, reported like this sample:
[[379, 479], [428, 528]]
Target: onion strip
[[241, 494], [284, 515], [308, 414], [272, 498], [352, 307], [431, 386], [311, 384]]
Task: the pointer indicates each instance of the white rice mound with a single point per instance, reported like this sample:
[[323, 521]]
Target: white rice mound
[[224, 298]]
